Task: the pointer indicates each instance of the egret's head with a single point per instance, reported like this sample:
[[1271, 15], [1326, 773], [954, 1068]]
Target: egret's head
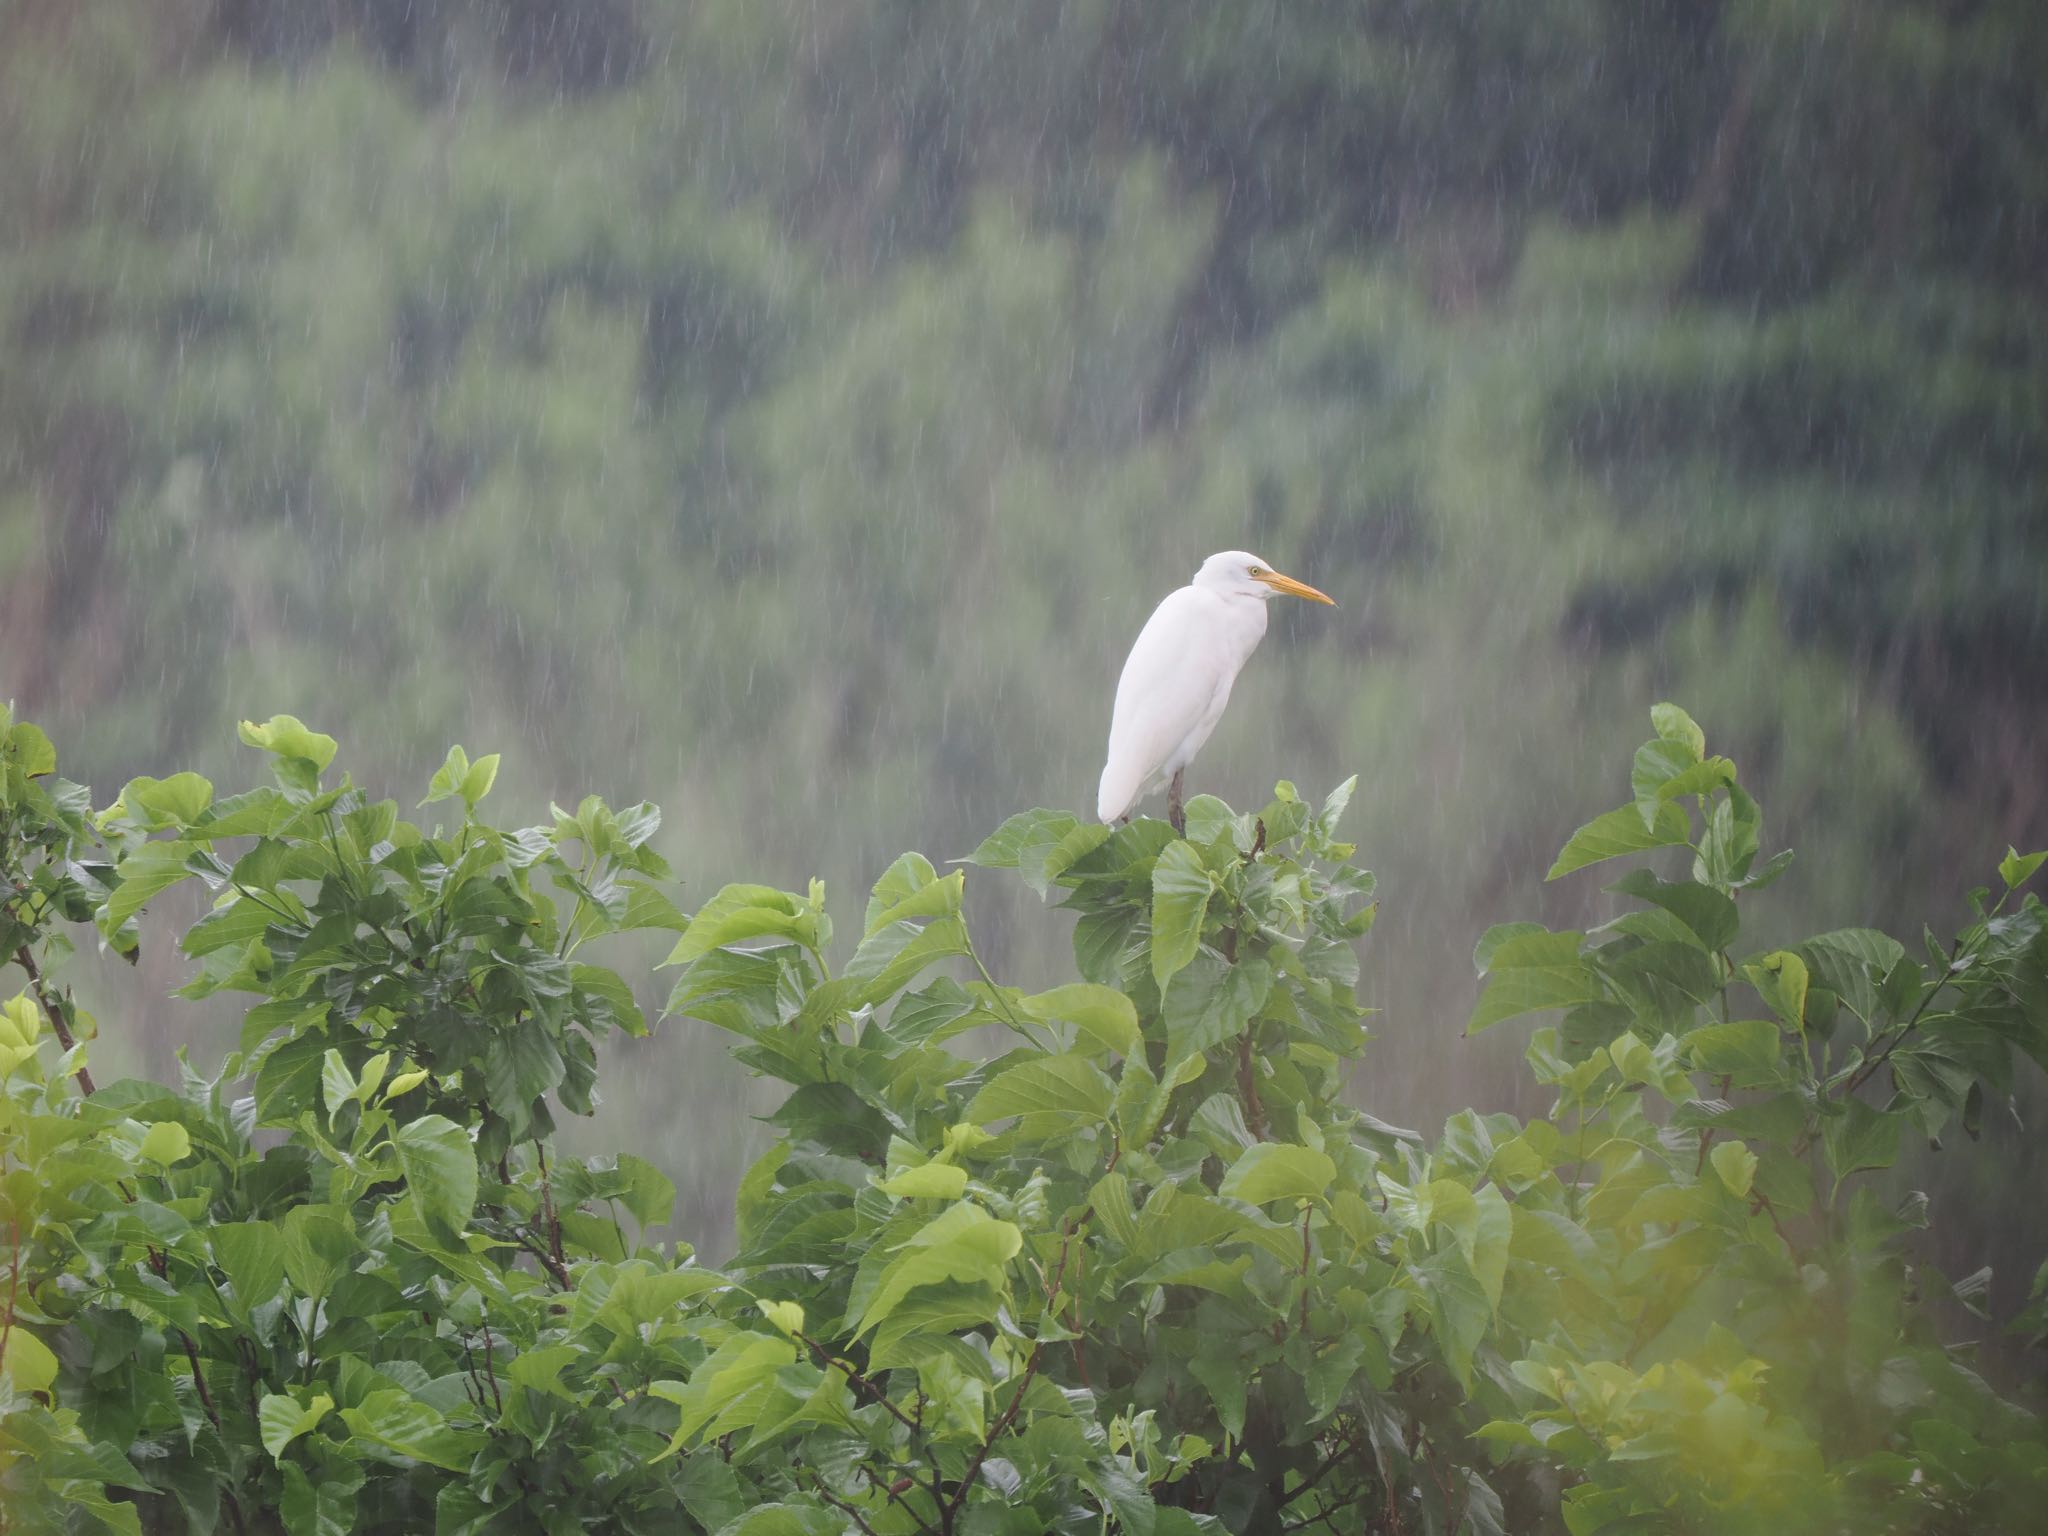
[[1238, 574]]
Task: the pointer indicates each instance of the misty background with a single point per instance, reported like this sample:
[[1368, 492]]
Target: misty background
[[789, 413]]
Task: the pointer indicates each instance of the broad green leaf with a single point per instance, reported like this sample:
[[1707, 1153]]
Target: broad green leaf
[[301, 754], [1621, 831], [1861, 1138], [1530, 972], [741, 912], [540, 1370], [1000, 849], [1736, 1165], [252, 1253], [281, 1420], [938, 898], [1052, 1094], [1211, 1001], [323, 1508], [28, 749], [320, 1244], [1729, 845], [962, 1246], [1275, 1171], [928, 1181], [167, 1142], [1742, 1048], [1673, 724], [1181, 887], [1103, 1017], [147, 872], [1492, 1237], [177, 801], [477, 781], [337, 1083], [2016, 868], [440, 1169], [785, 1315], [1459, 1312], [1708, 913], [400, 1423], [1491, 941], [26, 1360], [1780, 979]]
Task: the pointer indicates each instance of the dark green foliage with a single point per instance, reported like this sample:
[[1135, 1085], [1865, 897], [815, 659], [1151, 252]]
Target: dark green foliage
[[1137, 1266]]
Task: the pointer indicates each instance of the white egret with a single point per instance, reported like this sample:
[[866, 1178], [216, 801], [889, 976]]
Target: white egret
[[1178, 677]]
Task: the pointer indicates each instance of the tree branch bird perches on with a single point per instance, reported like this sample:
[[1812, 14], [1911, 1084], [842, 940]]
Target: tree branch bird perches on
[[1177, 679]]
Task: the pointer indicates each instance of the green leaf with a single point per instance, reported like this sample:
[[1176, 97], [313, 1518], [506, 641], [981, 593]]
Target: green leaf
[[477, 782], [28, 749], [1708, 913], [290, 740], [252, 1253], [1673, 724], [1742, 1048], [319, 1245], [1276, 1171], [325, 1508], [1500, 933], [148, 871], [1780, 979], [1181, 887], [1861, 1138], [167, 1142], [448, 778], [1051, 1095], [2016, 868], [741, 912], [1530, 972], [1212, 1001], [1736, 1165], [1001, 848], [1103, 1017], [404, 1425], [440, 1170], [337, 1083], [1459, 1312], [26, 1361], [963, 1246], [927, 1181], [281, 1420], [1621, 831], [910, 888], [177, 801]]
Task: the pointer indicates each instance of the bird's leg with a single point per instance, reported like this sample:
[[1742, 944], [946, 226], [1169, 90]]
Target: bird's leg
[[1174, 813]]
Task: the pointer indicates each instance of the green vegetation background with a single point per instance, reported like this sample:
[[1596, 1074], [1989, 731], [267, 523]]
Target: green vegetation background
[[789, 413]]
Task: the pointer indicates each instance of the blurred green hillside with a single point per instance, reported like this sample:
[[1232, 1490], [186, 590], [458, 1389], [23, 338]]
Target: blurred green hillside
[[789, 413]]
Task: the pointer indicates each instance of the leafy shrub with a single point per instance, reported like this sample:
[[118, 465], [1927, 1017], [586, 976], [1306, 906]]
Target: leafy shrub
[[1138, 1266]]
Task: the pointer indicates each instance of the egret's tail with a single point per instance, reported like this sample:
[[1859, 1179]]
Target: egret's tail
[[1118, 792]]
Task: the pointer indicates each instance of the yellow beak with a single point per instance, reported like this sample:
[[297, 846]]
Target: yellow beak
[[1294, 588]]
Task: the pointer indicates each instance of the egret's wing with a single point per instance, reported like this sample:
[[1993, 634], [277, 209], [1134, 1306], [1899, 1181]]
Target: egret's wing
[[1167, 686]]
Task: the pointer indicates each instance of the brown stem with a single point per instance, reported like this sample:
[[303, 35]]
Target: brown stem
[[864, 1388], [1306, 1259], [491, 1373], [1248, 1088], [845, 1509], [13, 1282], [1330, 1464], [55, 1014]]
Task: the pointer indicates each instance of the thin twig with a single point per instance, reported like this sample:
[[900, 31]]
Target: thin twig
[[863, 1387], [845, 1509], [55, 1014]]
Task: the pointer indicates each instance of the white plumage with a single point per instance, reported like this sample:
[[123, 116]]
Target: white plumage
[[1179, 674]]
